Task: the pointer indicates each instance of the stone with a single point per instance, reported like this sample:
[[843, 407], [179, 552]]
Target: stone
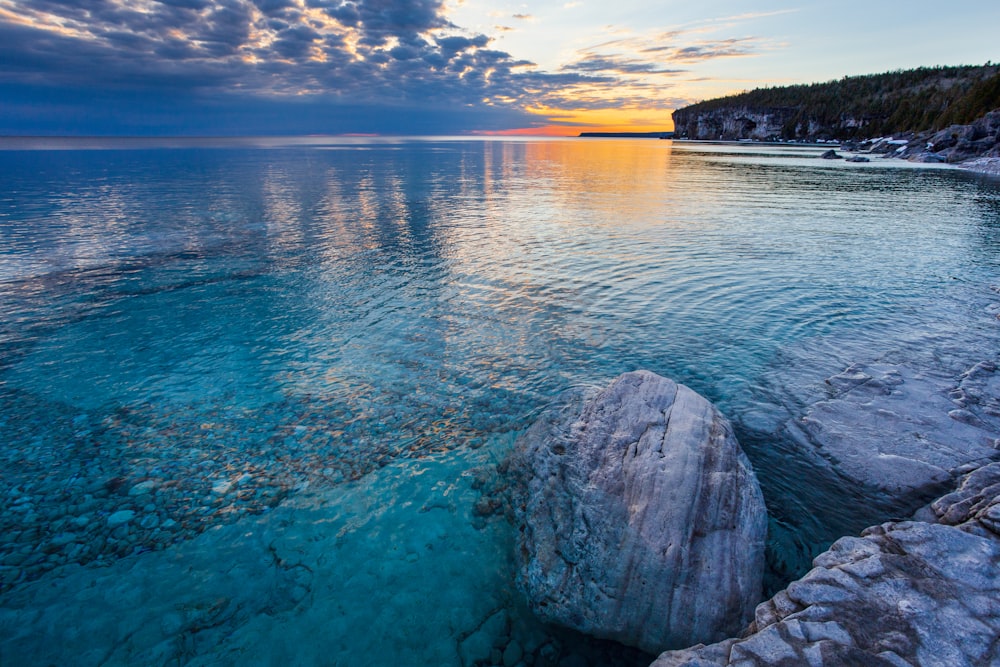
[[974, 505], [222, 487], [478, 645], [120, 517], [897, 432], [62, 539], [927, 158], [830, 155], [983, 165], [903, 593], [512, 654], [142, 488], [640, 517]]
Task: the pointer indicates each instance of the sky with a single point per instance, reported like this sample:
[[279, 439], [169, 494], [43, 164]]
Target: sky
[[437, 67]]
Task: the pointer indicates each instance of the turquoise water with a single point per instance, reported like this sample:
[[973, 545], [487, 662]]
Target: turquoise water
[[210, 340]]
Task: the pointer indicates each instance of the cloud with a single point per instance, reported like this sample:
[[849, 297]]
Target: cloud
[[708, 50], [728, 48], [378, 50], [36, 110], [749, 16], [318, 59], [616, 64]]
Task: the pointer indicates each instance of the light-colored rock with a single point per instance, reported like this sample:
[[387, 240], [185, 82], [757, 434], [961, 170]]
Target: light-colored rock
[[641, 518], [984, 165], [907, 593], [975, 506], [222, 487], [141, 488], [901, 432]]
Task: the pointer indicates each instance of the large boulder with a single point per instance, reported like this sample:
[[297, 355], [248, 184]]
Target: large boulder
[[906, 593], [641, 519]]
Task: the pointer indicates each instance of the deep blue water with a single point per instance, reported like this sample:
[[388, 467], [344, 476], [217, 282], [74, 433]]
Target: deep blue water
[[312, 313]]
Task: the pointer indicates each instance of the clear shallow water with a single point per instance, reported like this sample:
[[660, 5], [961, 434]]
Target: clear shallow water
[[196, 334]]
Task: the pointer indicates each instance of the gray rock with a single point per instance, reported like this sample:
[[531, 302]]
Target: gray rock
[[899, 432], [983, 165], [641, 518], [927, 157], [907, 593], [975, 505]]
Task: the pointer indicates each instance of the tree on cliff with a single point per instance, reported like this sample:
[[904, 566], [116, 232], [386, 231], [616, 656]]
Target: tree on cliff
[[917, 100]]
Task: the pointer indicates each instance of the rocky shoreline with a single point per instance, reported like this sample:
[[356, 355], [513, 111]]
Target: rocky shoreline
[[903, 593], [985, 165], [921, 591], [974, 146]]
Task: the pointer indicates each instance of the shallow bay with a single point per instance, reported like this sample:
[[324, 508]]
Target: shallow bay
[[333, 341]]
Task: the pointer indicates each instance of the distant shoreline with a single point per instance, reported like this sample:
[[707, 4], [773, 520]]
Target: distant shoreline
[[755, 142], [989, 166], [627, 135]]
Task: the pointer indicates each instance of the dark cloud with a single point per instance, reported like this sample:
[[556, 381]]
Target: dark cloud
[[458, 43], [297, 42], [202, 55], [273, 7], [185, 4], [45, 111]]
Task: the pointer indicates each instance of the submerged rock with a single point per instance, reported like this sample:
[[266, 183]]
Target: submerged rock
[[906, 593], [641, 518]]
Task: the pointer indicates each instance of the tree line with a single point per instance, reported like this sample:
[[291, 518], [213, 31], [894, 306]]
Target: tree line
[[917, 100]]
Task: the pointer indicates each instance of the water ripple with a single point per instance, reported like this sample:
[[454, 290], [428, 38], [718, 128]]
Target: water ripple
[[322, 312]]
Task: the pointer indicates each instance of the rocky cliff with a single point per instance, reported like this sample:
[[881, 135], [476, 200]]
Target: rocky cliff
[[758, 123], [955, 143], [924, 101]]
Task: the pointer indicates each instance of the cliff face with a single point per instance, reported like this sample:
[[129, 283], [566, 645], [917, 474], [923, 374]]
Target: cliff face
[[761, 124], [852, 108], [956, 143], [731, 123]]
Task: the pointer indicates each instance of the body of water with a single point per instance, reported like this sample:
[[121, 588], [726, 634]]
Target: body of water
[[252, 392]]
